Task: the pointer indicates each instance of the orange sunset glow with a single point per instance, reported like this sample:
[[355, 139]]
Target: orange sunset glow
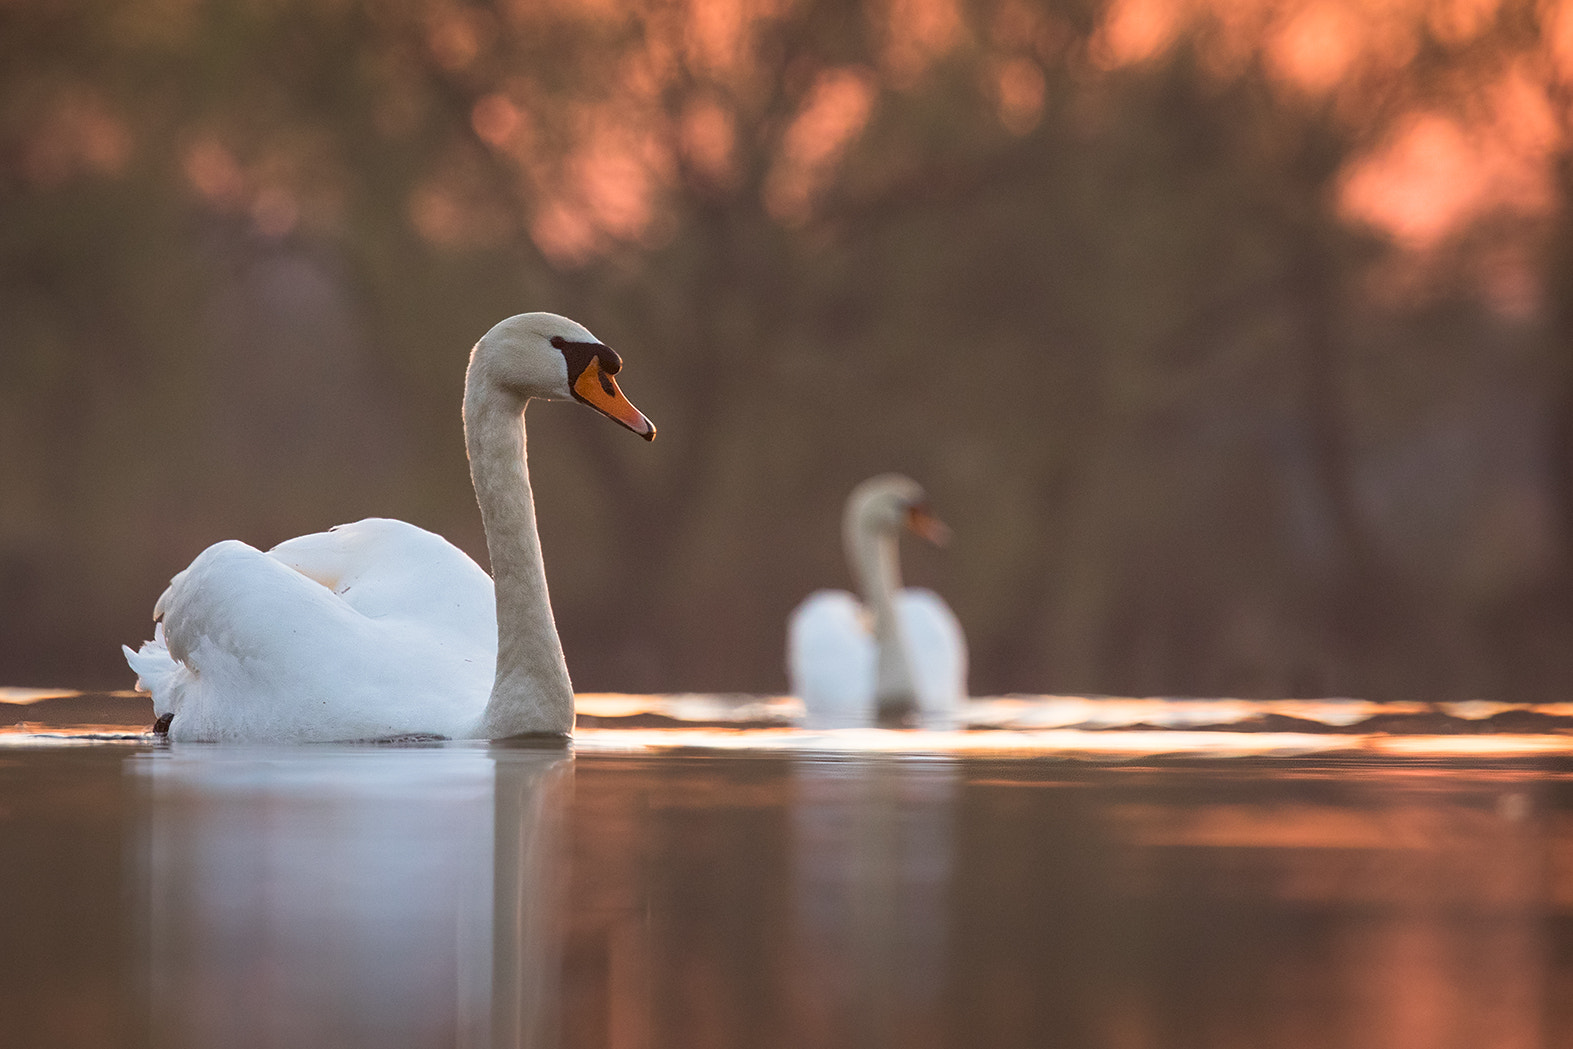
[[1426, 170], [1480, 142]]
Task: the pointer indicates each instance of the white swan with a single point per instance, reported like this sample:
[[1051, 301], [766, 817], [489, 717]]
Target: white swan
[[380, 629], [899, 653]]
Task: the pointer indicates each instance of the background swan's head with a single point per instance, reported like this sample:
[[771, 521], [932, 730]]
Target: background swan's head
[[886, 504], [551, 357]]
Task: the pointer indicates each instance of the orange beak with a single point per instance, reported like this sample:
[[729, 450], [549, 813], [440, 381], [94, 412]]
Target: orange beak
[[599, 390], [922, 523]]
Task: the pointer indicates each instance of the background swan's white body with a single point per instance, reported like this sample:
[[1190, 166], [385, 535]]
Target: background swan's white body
[[372, 630], [380, 629], [898, 653], [832, 658]]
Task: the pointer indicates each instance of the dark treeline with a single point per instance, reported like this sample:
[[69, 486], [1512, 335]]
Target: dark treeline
[[1196, 431]]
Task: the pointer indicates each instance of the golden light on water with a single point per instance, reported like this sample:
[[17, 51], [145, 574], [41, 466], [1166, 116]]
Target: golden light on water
[[1073, 744], [719, 886], [1067, 728]]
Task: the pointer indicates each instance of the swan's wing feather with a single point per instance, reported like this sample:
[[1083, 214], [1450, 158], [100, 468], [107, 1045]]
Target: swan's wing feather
[[938, 650], [385, 568], [830, 659], [265, 652]]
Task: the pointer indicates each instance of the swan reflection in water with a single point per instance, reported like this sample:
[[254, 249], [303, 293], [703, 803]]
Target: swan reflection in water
[[352, 895], [873, 865]]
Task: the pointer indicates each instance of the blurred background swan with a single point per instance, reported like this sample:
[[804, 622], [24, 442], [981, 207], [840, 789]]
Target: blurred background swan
[[896, 656]]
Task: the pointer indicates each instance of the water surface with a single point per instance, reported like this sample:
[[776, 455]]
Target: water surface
[[1067, 873]]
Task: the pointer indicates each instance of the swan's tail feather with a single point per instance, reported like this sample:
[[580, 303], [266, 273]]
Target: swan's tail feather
[[154, 666]]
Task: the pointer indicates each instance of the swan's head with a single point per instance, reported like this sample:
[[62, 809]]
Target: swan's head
[[551, 357], [886, 504]]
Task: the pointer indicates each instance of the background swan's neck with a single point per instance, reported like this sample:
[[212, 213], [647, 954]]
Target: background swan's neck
[[875, 563], [531, 692]]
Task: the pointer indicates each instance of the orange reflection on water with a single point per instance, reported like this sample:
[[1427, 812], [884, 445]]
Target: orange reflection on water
[[438, 894], [1071, 744], [1504, 745], [1443, 881], [1059, 743], [911, 903], [33, 733]]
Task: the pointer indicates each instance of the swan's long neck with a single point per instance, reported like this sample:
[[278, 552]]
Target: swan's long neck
[[531, 692], [875, 563]]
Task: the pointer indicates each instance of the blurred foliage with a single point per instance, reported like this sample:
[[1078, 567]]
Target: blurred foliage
[[1217, 398]]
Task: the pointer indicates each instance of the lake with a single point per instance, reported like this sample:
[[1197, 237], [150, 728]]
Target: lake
[[696, 871]]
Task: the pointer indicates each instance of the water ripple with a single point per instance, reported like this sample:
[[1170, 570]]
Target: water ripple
[[1091, 728]]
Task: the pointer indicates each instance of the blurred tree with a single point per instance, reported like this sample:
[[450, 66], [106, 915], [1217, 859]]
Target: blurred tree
[[1117, 281]]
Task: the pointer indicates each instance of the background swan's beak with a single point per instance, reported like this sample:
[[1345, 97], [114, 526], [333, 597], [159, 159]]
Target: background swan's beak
[[921, 522], [599, 390]]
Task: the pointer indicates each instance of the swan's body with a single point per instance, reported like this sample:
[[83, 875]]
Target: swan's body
[[373, 630], [381, 629], [898, 652]]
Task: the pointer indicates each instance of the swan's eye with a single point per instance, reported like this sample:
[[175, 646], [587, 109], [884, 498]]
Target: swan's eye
[[580, 354]]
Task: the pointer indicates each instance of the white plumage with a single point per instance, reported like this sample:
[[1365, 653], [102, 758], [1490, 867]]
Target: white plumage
[[371, 630], [897, 653]]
